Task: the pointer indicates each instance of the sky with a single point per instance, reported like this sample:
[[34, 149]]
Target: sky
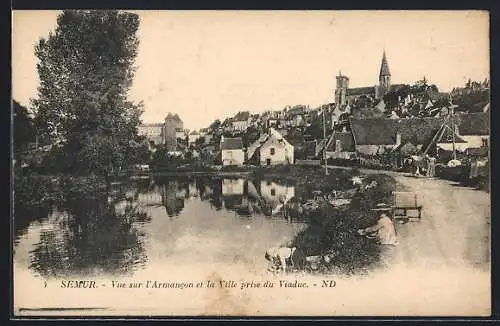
[[207, 65]]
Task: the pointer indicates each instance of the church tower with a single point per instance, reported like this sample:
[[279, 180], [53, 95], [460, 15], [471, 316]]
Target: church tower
[[384, 78], [341, 90]]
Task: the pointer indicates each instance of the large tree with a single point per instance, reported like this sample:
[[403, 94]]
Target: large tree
[[24, 132], [86, 67]]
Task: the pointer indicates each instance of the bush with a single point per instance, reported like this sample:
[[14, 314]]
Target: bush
[[334, 231]]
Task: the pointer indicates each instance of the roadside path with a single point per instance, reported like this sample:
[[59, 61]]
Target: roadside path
[[454, 229]]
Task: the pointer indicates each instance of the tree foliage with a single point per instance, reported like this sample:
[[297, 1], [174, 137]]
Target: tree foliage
[[24, 131], [86, 67]]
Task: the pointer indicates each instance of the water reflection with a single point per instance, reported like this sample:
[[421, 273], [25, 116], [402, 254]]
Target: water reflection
[[91, 236], [109, 233], [244, 197]]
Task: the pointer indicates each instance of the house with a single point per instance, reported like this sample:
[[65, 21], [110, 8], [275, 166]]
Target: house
[[295, 117], [340, 146], [377, 135], [241, 121], [232, 151], [474, 128], [271, 149], [152, 131]]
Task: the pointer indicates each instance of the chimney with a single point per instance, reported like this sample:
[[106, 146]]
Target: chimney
[[398, 138], [338, 145]]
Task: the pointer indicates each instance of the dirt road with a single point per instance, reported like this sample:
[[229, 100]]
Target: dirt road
[[453, 231]]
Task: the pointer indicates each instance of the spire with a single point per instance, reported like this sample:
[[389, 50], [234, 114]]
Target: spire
[[384, 68]]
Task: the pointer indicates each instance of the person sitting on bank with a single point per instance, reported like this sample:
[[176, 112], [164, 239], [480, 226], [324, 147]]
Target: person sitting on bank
[[383, 231]]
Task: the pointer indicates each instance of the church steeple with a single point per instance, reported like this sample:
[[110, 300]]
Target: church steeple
[[384, 78], [384, 67]]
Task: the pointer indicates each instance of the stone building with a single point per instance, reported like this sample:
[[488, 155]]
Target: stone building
[[172, 123], [347, 96], [163, 133]]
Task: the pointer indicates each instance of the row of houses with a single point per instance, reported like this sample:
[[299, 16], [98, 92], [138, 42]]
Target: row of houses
[[465, 133]]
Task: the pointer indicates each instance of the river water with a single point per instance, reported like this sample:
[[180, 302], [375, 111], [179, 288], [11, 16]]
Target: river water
[[186, 231], [168, 227]]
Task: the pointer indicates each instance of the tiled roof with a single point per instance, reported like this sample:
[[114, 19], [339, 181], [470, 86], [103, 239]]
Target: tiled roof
[[309, 148], [231, 143], [395, 87], [382, 131], [361, 90], [242, 116], [346, 141], [474, 124]]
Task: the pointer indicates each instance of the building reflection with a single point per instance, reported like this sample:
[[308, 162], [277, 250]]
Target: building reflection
[[173, 194]]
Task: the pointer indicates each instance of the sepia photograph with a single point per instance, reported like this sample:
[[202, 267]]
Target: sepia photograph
[[250, 163]]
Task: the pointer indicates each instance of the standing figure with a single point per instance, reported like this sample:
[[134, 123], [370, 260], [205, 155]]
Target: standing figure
[[431, 167]]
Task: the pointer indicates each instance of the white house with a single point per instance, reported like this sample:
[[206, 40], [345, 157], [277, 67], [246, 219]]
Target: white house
[[271, 149], [474, 128], [241, 125], [232, 151], [241, 121]]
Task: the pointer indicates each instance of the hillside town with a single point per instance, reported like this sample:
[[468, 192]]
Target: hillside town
[[112, 183], [378, 126]]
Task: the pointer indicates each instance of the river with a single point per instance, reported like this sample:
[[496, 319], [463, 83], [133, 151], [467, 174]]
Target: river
[[158, 226]]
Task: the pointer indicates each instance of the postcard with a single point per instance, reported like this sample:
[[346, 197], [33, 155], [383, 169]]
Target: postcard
[[251, 163]]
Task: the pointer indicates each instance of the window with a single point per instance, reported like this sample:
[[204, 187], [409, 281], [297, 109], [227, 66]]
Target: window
[[484, 142], [272, 151], [273, 192]]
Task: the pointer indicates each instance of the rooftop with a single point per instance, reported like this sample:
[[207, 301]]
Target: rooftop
[[346, 140], [231, 143]]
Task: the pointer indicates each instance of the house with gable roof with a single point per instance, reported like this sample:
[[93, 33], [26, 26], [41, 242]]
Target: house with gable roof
[[232, 151], [271, 149]]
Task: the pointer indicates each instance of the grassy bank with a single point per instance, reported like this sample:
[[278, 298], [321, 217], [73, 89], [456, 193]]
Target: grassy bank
[[332, 231]]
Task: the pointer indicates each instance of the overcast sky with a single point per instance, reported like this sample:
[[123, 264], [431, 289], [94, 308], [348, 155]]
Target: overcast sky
[[212, 64]]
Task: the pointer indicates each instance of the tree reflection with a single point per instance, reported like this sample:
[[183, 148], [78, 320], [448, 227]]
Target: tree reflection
[[91, 238]]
